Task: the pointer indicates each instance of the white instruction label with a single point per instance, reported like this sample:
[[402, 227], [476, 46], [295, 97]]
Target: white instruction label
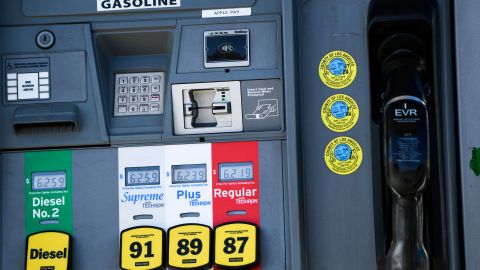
[[28, 86], [118, 5], [226, 12]]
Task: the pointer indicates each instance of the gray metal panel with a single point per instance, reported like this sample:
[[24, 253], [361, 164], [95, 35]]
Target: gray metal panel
[[95, 209], [467, 23], [339, 209], [449, 136], [272, 219], [76, 40], [13, 211]]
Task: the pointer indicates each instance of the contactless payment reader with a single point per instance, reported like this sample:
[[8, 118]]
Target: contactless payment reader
[[141, 207], [227, 48]]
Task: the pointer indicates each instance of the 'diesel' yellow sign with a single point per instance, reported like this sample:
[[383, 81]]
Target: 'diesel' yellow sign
[[48, 250], [236, 245], [189, 246], [142, 248]]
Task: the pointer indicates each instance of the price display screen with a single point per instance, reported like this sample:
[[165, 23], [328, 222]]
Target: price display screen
[[49, 180], [192, 173], [236, 171], [141, 176]]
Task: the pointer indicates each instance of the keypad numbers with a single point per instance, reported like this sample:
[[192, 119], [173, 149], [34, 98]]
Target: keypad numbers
[[139, 93]]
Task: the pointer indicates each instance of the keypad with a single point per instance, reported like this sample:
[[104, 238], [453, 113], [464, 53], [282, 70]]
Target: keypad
[[139, 93]]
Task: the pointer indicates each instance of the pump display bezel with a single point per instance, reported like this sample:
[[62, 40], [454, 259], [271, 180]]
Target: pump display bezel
[[189, 168], [36, 176], [145, 169]]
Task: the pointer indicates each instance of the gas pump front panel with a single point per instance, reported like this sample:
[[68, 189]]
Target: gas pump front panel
[[201, 184]]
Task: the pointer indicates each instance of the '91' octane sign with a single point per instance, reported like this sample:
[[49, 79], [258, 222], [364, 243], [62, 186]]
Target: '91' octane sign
[[118, 5]]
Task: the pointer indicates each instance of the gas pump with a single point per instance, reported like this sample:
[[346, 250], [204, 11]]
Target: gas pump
[[149, 135]]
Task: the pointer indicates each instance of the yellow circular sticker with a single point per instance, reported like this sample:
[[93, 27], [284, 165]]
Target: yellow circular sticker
[[340, 113], [343, 155], [337, 69]]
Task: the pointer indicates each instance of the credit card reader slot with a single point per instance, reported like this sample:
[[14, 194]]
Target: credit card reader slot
[[207, 108], [203, 109]]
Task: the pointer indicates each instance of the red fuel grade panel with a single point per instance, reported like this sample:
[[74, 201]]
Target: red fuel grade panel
[[236, 192]]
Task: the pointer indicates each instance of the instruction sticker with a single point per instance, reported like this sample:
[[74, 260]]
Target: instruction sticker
[[343, 155], [340, 113], [337, 69]]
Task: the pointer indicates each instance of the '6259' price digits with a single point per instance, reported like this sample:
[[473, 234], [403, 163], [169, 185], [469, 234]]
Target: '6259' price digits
[[49, 180]]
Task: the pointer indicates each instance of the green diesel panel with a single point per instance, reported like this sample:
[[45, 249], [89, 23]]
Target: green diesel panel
[[48, 194]]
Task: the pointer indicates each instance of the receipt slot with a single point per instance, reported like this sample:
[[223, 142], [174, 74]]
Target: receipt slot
[[207, 108], [141, 208]]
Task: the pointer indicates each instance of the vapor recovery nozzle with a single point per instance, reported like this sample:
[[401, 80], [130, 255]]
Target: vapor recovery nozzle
[[406, 148], [405, 118]]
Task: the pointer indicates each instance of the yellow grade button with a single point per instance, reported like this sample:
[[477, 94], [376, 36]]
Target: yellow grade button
[[189, 246], [48, 250], [236, 245], [142, 248]]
